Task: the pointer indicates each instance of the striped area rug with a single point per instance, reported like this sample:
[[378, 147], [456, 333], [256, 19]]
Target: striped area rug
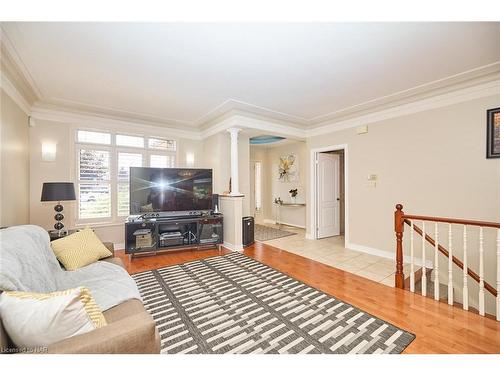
[[235, 304]]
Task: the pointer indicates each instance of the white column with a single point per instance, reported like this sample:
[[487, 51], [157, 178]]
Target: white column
[[235, 187]]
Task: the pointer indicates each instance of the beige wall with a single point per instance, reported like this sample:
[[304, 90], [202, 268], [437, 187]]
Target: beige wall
[[62, 169], [432, 162], [272, 188], [14, 164]]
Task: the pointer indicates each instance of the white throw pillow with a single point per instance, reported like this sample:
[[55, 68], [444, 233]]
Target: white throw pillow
[[34, 320]]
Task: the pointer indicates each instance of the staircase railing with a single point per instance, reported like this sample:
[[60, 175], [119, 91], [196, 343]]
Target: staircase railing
[[400, 219]]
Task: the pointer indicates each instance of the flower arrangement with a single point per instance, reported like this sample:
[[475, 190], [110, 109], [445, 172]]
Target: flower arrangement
[[293, 193]]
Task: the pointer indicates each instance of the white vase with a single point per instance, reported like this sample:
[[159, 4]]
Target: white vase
[[293, 199]]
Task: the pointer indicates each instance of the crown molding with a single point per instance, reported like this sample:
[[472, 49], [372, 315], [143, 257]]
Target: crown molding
[[469, 78], [112, 113], [8, 87], [233, 105], [246, 122], [60, 115], [12, 62], [438, 101]]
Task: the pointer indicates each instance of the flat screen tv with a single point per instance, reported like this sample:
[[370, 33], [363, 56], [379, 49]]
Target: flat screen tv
[[170, 190]]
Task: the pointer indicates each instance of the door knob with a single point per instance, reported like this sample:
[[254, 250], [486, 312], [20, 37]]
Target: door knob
[[338, 199]]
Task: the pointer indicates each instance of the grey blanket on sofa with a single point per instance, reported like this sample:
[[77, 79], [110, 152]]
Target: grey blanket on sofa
[[27, 263]]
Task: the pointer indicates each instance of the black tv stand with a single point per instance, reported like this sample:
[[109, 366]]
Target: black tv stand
[[152, 235]]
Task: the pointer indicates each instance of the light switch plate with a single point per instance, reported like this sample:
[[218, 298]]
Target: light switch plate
[[362, 129]]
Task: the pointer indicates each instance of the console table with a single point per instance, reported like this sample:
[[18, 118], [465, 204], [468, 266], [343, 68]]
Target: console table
[[168, 234], [278, 210]]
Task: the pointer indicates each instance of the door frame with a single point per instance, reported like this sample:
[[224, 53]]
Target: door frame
[[313, 195]]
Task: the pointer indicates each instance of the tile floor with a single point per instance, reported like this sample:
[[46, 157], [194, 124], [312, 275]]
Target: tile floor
[[331, 251]]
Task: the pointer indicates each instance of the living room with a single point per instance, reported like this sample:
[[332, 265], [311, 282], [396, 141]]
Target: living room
[[278, 188]]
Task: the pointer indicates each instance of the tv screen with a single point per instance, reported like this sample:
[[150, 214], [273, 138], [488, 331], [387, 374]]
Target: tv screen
[[170, 189]]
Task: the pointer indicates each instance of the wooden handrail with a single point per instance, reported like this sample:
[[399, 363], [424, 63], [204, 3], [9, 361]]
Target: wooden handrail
[[489, 224], [454, 259]]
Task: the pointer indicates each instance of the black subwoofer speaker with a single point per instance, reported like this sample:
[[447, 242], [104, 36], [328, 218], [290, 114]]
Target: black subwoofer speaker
[[248, 230]]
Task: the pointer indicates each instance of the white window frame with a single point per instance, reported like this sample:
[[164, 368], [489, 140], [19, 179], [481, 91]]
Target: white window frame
[[114, 150]]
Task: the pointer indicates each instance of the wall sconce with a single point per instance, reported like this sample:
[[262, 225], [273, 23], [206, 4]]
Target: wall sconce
[[49, 150], [189, 159]]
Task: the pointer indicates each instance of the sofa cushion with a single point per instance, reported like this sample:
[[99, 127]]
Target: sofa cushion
[[109, 283], [27, 261], [35, 320], [29, 264], [79, 249]]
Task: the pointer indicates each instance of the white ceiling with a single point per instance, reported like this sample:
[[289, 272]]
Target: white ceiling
[[182, 72]]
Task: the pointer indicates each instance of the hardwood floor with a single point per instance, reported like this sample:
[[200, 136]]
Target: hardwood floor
[[439, 328]]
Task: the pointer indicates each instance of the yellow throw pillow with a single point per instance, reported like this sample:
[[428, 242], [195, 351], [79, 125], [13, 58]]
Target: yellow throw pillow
[[79, 249], [35, 320]]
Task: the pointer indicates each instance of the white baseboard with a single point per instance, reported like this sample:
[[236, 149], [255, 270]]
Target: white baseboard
[[309, 236], [233, 247], [119, 246], [385, 254], [269, 221]]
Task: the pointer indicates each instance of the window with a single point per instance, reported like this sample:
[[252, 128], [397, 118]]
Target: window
[[103, 170], [94, 137], [94, 189], [162, 161], [129, 141], [162, 144], [125, 161], [258, 185]]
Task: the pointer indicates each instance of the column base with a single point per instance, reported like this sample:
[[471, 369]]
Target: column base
[[231, 207]]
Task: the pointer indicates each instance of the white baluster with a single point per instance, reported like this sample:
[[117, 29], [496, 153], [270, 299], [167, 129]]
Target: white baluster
[[412, 270], [481, 272], [450, 267], [465, 289], [498, 274], [424, 271], [436, 262]]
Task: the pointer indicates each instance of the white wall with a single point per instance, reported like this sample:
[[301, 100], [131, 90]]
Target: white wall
[[432, 162], [272, 188], [14, 163]]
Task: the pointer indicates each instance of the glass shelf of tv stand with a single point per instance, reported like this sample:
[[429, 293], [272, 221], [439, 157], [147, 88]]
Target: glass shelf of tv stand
[[210, 231], [198, 232]]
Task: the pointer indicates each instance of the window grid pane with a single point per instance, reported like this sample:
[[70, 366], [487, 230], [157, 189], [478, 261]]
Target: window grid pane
[[94, 200], [162, 144], [94, 137], [94, 165], [162, 161], [129, 141], [123, 199], [125, 161]]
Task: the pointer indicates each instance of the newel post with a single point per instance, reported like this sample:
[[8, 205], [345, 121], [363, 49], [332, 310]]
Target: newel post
[[399, 227]]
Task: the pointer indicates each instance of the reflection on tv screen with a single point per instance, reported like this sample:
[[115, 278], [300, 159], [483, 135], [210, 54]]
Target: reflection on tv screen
[[170, 189]]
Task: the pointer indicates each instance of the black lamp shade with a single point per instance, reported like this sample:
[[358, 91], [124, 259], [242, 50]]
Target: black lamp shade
[[58, 191]]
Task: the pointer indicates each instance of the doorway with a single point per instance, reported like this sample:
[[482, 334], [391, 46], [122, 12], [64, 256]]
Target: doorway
[[328, 193]]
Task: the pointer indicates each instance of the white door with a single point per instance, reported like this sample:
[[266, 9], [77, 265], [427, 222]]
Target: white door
[[328, 195]]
